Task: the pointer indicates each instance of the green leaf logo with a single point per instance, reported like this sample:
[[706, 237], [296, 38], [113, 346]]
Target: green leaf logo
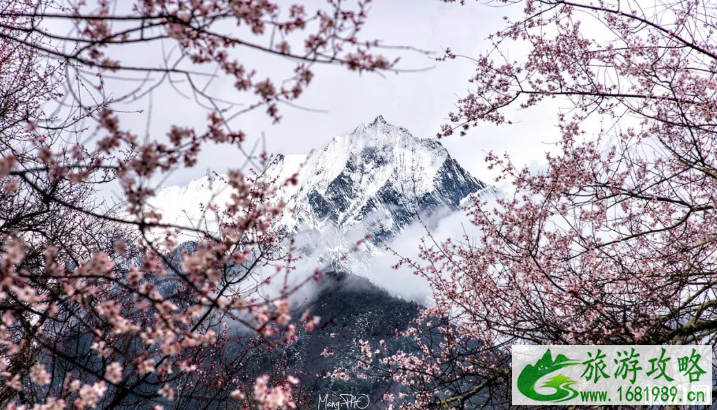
[[530, 375]]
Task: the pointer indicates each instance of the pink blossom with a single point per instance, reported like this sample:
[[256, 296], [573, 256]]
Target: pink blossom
[[39, 375], [146, 366], [114, 372]]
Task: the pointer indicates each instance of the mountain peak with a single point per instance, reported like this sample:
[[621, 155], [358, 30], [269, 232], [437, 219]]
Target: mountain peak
[[379, 121], [378, 126], [377, 179]]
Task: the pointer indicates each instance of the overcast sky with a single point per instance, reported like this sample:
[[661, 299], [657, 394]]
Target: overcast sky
[[418, 101]]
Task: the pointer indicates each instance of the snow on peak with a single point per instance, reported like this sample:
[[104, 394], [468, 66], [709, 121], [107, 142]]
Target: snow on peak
[[372, 154], [380, 175]]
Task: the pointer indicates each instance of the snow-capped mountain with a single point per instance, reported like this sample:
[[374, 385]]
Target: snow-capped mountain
[[378, 177], [375, 181]]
